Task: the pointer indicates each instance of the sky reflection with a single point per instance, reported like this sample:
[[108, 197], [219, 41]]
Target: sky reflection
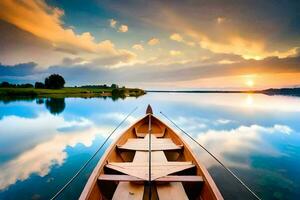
[[255, 135]]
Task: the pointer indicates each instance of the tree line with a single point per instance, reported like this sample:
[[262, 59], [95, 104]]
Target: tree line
[[113, 86], [54, 81]]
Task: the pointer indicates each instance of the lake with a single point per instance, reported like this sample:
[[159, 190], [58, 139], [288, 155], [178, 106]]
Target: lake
[[43, 142]]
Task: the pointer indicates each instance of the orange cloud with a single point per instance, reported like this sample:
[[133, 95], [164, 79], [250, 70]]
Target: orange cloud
[[112, 23], [138, 47], [123, 28], [175, 53], [227, 40], [153, 41], [45, 22], [178, 38]]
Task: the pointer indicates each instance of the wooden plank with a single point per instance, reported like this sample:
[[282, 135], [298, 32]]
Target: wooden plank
[[158, 156], [130, 191], [144, 133], [172, 190], [127, 189], [156, 145], [121, 178], [169, 190], [143, 157], [141, 170], [153, 164], [180, 179], [128, 178], [140, 157]]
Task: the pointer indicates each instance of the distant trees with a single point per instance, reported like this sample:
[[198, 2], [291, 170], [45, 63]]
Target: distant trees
[[26, 85], [39, 85], [6, 84], [95, 86], [54, 81], [114, 86]]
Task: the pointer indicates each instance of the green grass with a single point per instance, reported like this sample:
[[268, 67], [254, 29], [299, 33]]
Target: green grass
[[66, 92]]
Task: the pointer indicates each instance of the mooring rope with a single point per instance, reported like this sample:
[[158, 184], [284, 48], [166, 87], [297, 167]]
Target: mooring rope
[[226, 168], [89, 160]]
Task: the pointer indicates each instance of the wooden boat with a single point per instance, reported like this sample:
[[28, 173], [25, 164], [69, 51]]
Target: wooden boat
[[175, 173]]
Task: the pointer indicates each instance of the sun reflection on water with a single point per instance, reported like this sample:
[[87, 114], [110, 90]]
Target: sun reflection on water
[[249, 100]]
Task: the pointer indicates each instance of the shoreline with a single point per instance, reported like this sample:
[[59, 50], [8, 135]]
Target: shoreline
[[271, 91], [71, 92]]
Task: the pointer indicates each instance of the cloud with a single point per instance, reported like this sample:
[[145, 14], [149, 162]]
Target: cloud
[[153, 41], [241, 36], [123, 28], [36, 157], [192, 124], [74, 61], [112, 69], [175, 53], [178, 38], [138, 47], [112, 61], [19, 46], [223, 121], [45, 22], [112, 23], [230, 43], [244, 140], [21, 69], [197, 70]]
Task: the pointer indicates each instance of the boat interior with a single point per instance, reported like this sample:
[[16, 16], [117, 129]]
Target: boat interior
[[130, 170]]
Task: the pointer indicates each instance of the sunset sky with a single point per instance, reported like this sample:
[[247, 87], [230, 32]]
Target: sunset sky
[[233, 44]]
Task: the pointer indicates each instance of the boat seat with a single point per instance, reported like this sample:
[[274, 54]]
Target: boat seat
[[130, 191], [143, 134], [165, 179], [127, 190], [138, 171], [156, 145], [143, 156], [141, 170], [172, 190]]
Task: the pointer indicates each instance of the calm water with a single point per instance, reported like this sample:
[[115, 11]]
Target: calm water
[[43, 142]]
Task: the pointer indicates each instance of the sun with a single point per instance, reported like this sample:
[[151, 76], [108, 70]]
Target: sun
[[250, 83]]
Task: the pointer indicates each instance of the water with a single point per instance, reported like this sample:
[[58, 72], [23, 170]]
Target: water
[[44, 142]]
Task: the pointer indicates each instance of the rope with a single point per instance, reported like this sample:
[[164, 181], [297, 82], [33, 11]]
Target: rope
[[226, 168], [89, 160]]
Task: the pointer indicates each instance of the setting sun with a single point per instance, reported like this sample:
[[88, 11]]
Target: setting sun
[[250, 83]]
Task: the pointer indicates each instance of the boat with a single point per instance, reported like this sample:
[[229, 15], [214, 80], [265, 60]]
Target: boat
[[150, 161]]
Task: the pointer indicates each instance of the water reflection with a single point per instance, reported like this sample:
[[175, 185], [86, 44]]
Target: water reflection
[[9, 99], [246, 139], [43, 148], [249, 100], [51, 137], [55, 105]]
